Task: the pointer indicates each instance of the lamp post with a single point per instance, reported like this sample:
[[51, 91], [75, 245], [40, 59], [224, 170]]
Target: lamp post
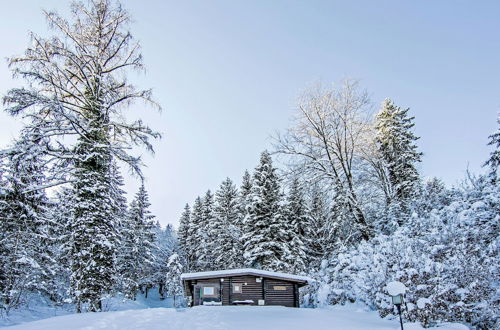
[[397, 291], [398, 301]]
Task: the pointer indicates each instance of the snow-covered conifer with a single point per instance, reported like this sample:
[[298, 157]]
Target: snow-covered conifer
[[26, 260], [226, 228], [397, 146], [138, 244], [78, 87], [117, 194], [297, 219], [183, 231], [206, 234], [245, 189], [166, 243], [94, 228], [173, 284], [494, 161], [320, 235], [62, 217], [264, 236], [193, 236]]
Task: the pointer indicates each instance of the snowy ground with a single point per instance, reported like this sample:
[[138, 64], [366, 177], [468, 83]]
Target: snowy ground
[[39, 309], [226, 318]]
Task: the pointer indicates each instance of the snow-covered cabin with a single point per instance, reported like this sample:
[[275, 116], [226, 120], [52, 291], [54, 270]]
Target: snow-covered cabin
[[246, 286]]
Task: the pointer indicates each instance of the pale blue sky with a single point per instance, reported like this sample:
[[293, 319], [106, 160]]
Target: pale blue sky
[[227, 74]]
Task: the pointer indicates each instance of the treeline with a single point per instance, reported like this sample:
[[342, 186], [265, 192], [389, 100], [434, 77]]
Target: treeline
[[38, 254], [257, 225], [350, 209], [82, 242], [446, 254], [348, 177]]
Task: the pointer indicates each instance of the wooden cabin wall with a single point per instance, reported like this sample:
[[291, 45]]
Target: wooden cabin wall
[[200, 283], [286, 297], [274, 292], [226, 293], [251, 291]]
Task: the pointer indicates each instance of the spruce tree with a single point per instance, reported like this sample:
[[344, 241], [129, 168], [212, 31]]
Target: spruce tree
[[173, 283], [26, 260], [397, 146], [264, 232], [118, 203], [243, 203], [183, 231], [226, 227], [165, 245], [94, 229], [193, 237], [297, 219], [139, 245], [320, 238], [494, 161], [62, 216], [207, 234], [118, 199], [245, 189]]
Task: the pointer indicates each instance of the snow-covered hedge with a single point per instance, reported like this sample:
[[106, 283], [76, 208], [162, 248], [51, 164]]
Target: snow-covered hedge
[[447, 257]]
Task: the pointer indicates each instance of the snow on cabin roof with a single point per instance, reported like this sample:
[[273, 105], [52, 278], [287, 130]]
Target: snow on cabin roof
[[245, 271]]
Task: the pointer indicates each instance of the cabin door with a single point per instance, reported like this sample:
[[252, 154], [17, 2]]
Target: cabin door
[[207, 294]]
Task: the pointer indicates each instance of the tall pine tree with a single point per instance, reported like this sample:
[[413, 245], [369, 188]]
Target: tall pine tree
[[138, 244], [319, 232], [207, 234], [264, 231], [494, 161], [397, 146], [194, 236], [94, 228], [77, 86], [26, 260], [183, 232], [297, 219], [226, 227], [173, 283], [245, 190]]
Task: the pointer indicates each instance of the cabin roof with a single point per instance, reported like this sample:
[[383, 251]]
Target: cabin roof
[[246, 271]]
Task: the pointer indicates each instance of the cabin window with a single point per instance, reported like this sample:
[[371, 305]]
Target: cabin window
[[279, 288], [236, 288], [208, 291]]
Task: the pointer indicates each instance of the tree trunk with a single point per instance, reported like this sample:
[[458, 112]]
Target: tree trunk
[[161, 290]]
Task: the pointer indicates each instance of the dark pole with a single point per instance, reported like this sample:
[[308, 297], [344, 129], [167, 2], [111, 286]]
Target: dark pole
[[400, 318]]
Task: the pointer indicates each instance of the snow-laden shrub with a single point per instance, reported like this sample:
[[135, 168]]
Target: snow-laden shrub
[[447, 257]]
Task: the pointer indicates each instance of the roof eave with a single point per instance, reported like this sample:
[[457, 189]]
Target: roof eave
[[204, 277]]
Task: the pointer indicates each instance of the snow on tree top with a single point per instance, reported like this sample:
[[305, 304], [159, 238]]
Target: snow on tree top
[[246, 271], [395, 288]]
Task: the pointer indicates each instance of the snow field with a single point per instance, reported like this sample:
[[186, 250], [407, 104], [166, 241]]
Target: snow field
[[352, 317]]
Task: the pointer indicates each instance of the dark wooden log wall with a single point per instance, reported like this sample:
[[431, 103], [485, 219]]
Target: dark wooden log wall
[[280, 297], [226, 293], [201, 283], [253, 290]]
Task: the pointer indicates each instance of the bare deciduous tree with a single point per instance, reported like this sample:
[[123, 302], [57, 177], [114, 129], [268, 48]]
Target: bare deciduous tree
[[328, 138]]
